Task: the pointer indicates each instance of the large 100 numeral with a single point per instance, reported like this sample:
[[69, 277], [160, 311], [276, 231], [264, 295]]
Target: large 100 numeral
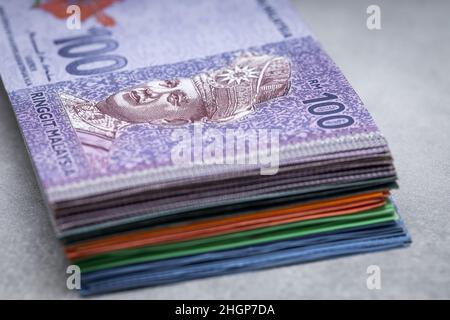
[[329, 110], [90, 50]]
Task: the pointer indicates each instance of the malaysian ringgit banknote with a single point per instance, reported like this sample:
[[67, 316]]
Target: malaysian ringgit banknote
[[100, 106]]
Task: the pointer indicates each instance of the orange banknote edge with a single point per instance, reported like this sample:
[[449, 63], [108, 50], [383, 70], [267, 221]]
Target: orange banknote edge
[[216, 226]]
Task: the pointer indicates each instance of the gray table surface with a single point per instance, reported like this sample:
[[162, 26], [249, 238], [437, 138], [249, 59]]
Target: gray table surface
[[401, 72]]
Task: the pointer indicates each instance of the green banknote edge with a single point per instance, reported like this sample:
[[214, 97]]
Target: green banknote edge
[[235, 240]]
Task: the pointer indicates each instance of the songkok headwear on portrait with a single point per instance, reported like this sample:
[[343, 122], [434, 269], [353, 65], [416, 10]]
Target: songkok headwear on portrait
[[231, 92]]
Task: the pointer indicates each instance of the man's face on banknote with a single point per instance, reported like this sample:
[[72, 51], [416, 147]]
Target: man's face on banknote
[[159, 100]]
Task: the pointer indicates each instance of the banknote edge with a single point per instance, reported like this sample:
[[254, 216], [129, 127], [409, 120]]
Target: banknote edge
[[159, 176]]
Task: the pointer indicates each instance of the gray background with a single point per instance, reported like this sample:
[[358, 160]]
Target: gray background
[[402, 74]]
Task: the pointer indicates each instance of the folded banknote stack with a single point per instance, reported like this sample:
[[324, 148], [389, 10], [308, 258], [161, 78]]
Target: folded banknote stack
[[177, 140]]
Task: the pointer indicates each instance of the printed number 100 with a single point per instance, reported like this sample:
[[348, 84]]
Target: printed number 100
[[91, 53], [329, 110]]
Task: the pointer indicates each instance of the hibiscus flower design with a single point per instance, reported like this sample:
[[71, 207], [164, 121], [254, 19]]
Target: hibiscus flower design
[[238, 74]]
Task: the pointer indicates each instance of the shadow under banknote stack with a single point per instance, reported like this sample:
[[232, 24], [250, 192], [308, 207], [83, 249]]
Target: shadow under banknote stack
[[238, 157]]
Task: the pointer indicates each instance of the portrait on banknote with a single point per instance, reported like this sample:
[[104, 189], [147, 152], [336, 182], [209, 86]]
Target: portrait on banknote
[[216, 96]]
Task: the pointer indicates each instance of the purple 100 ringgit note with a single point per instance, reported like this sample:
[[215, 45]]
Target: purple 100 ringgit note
[[99, 107]]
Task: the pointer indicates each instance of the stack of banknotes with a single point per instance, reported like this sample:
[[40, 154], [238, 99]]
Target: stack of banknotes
[[175, 140]]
